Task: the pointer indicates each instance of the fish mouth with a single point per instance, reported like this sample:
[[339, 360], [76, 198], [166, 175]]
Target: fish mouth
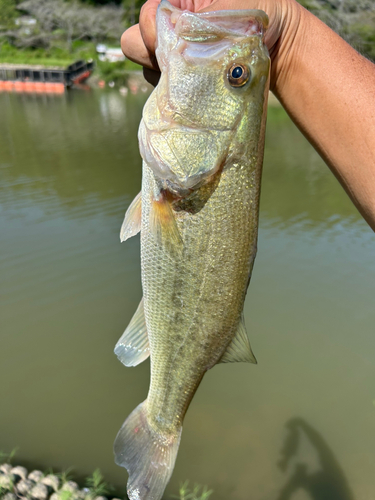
[[215, 25], [184, 155]]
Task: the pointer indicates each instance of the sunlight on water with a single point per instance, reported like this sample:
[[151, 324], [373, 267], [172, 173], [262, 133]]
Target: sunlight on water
[[299, 425]]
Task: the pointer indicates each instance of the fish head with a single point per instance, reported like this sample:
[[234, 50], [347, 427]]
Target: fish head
[[214, 70]]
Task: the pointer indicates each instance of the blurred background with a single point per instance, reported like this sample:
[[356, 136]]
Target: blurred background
[[300, 424], [59, 32]]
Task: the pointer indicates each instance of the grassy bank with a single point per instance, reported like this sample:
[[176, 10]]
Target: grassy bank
[[57, 56], [64, 32]]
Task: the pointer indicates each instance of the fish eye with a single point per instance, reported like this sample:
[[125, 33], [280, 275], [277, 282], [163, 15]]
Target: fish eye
[[238, 74]]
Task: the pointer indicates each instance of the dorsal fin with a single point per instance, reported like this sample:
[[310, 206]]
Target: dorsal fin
[[239, 350], [132, 221], [133, 347]]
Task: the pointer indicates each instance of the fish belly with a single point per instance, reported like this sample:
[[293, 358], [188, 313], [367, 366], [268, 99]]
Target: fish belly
[[193, 303]]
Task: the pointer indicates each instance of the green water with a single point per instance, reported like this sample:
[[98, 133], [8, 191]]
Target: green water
[[300, 425]]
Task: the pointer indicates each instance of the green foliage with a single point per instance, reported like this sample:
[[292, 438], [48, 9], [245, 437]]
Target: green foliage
[[365, 33], [65, 476], [7, 457], [132, 9], [61, 23], [66, 495], [308, 4], [102, 2], [8, 13], [58, 56], [8, 485], [67, 31], [5, 488], [354, 20], [197, 493], [116, 72], [97, 485], [55, 56]]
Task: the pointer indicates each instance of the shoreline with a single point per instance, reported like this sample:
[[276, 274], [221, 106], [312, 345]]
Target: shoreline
[[98, 81], [17, 483]]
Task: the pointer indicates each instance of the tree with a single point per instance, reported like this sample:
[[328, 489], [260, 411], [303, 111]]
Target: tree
[[73, 21], [8, 13], [132, 8], [354, 20]]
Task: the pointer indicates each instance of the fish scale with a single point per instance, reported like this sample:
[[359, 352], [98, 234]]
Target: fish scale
[[198, 231]]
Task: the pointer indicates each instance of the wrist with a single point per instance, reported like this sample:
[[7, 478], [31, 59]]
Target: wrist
[[285, 47]]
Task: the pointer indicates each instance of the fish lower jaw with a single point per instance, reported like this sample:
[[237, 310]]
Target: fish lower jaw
[[183, 157]]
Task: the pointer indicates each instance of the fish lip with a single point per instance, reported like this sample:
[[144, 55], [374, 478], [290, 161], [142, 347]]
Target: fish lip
[[257, 14], [177, 16]]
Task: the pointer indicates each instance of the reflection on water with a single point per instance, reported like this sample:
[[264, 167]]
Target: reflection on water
[[326, 483], [295, 174], [69, 167]]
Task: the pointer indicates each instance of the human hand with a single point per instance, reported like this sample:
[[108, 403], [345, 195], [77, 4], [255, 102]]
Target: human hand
[[326, 87], [138, 42]]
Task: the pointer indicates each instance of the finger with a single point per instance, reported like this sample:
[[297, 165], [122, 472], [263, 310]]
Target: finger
[[133, 47]]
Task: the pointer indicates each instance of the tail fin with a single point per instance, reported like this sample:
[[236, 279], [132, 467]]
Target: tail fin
[[149, 457]]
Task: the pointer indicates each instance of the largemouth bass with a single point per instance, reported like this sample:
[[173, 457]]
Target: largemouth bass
[[201, 139]]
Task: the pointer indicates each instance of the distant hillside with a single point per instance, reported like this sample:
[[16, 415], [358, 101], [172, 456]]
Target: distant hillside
[[65, 30]]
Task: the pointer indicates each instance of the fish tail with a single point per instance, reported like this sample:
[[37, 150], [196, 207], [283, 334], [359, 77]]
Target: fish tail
[[148, 456]]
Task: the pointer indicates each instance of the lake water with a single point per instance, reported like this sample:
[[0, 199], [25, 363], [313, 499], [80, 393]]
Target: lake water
[[300, 425]]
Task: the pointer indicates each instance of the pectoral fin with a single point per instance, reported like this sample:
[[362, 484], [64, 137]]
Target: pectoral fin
[[132, 222], [133, 347], [239, 349], [163, 225]]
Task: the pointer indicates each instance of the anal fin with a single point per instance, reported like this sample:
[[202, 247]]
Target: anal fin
[[239, 350], [133, 347], [132, 221]]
